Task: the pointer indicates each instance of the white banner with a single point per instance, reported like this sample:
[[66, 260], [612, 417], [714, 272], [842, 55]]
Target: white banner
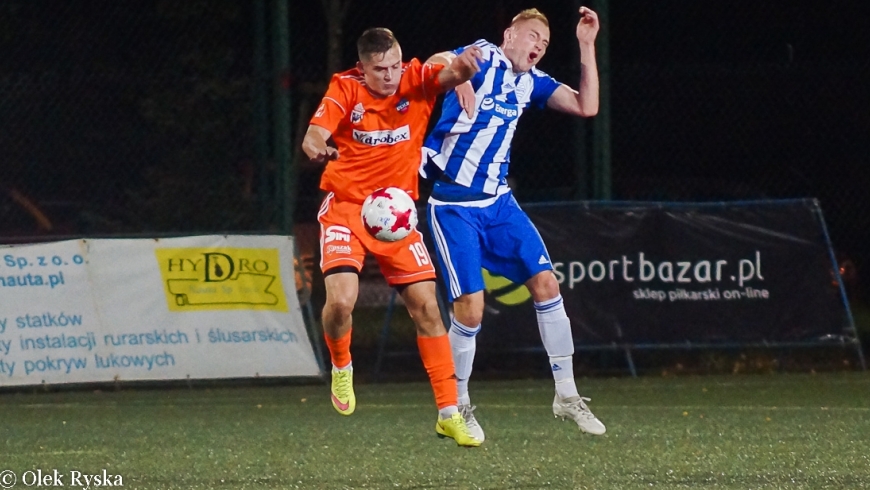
[[151, 309]]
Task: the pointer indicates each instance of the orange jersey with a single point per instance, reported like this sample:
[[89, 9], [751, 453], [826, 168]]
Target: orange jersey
[[378, 138]]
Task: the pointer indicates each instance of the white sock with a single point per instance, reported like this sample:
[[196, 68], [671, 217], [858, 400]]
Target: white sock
[[555, 329], [463, 344], [563, 374], [349, 367], [447, 412]]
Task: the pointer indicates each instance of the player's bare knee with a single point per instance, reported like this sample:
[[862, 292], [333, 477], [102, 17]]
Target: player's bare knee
[[469, 319], [339, 307], [543, 286], [468, 309], [425, 311]]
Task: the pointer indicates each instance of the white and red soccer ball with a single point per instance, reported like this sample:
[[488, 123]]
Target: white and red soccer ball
[[389, 214]]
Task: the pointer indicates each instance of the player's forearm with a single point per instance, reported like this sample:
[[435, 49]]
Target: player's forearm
[[446, 76], [311, 147], [461, 68], [455, 74], [451, 77], [314, 143], [443, 58], [587, 92]]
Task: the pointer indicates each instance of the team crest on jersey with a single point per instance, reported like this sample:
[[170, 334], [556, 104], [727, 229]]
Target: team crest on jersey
[[356, 114], [403, 106]]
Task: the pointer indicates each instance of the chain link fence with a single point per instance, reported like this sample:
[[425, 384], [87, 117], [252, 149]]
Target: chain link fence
[[126, 118], [740, 101], [152, 116]]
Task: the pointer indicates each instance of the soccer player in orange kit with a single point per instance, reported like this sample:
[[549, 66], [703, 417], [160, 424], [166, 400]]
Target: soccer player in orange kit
[[377, 115]]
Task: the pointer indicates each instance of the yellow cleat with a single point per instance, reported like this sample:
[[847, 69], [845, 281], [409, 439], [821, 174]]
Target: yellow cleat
[[343, 398], [455, 428]]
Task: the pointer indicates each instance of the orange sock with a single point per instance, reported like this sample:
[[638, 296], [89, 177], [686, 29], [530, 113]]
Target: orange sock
[[339, 349], [438, 361]]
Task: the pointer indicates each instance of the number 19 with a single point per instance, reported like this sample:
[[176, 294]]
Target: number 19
[[420, 253]]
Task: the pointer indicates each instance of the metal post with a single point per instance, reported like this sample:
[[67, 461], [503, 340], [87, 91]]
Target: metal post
[[601, 123], [444, 308], [581, 146], [286, 194], [630, 361], [311, 324], [385, 333], [261, 116], [843, 296]]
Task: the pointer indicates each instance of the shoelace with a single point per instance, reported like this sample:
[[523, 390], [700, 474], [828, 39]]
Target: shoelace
[[581, 406], [342, 388], [467, 412]]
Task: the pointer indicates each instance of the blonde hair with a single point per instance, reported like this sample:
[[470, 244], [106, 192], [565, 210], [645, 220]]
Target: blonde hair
[[529, 14]]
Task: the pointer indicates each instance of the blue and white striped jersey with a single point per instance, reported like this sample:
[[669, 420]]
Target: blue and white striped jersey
[[475, 153]]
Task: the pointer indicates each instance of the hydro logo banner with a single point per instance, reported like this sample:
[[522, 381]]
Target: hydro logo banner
[[198, 307], [675, 273], [221, 278]]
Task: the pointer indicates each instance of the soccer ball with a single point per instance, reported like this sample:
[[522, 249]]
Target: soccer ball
[[389, 214]]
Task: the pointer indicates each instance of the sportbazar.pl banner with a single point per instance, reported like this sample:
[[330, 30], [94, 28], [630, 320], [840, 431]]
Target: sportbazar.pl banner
[[151, 309], [677, 273]]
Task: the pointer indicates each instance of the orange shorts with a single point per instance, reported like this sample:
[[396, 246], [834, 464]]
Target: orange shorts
[[344, 242]]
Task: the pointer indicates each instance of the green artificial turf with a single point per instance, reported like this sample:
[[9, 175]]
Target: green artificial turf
[[733, 432]]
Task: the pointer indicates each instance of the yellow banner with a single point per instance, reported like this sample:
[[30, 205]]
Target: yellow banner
[[503, 290], [197, 279]]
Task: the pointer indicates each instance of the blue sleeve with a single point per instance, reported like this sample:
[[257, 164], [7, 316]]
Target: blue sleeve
[[480, 43], [486, 46], [544, 87]]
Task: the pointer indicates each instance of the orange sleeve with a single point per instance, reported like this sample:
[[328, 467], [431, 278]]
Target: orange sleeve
[[426, 76], [334, 106]]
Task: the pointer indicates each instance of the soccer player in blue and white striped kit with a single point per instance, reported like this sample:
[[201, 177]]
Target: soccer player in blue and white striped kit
[[474, 218]]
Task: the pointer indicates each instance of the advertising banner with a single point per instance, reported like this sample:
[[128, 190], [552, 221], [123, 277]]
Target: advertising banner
[[677, 273], [151, 309]]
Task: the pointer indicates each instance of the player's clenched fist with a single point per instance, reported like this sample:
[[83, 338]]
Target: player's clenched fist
[[588, 26], [315, 146], [467, 63]]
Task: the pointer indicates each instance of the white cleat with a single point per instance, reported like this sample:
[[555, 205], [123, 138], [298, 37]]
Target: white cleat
[[474, 427], [575, 408]]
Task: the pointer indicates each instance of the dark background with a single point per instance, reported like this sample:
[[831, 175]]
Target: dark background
[[141, 117]]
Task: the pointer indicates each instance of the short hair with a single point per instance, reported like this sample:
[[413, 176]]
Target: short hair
[[374, 41], [529, 14]]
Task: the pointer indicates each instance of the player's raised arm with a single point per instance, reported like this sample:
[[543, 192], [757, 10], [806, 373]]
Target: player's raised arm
[[457, 68], [315, 144], [457, 73], [582, 102]]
